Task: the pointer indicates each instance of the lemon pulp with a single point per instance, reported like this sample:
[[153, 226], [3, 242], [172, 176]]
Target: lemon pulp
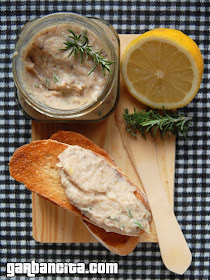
[[163, 67]]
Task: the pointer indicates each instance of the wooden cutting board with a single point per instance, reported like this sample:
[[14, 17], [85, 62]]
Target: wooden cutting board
[[53, 224]]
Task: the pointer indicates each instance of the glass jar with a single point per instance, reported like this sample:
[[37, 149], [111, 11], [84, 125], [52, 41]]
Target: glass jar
[[107, 98]]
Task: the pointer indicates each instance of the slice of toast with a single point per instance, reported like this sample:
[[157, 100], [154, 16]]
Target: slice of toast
[[116, 243], [34, 165]]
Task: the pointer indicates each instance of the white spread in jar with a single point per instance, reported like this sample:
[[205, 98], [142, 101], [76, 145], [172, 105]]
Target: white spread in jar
[[101, 193], [59, 81]]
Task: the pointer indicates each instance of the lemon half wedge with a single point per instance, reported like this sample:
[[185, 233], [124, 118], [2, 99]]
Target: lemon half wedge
[[163, 68]]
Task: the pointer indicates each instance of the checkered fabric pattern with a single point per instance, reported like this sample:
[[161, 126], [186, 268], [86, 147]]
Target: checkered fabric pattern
[[192, 178]]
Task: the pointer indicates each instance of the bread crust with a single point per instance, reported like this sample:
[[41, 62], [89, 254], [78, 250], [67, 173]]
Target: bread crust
[[35, 165], [116, 243], [74, 138]]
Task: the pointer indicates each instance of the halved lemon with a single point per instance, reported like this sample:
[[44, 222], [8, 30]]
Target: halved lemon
[[163, 68]]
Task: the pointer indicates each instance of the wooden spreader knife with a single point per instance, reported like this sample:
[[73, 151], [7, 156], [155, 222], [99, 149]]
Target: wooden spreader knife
[[174, 249]]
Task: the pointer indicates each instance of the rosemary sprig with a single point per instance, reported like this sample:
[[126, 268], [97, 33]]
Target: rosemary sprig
[[167, 122], [79, 44]]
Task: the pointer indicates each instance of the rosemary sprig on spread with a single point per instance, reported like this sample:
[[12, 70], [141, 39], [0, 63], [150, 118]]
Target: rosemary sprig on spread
[[79, 44], [167, 122]]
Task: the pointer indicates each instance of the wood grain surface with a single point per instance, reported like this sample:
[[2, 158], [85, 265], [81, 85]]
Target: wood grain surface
[[53, 224]]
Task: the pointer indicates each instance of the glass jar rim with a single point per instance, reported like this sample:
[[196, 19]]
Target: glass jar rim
[[63, 18]]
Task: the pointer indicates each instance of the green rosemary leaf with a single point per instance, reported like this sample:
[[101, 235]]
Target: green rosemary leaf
[[129, 213], [166, 122], [47, 82], [91, 71], [72, 32], [36, 85], [138, 224], [113, 219], [55, 78], [79, 44]]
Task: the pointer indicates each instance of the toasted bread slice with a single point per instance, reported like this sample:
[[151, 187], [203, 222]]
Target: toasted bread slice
[[34, 165], [116, 243]]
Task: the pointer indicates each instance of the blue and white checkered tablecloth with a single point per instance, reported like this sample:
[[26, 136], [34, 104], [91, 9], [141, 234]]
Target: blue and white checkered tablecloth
[[192, 178]]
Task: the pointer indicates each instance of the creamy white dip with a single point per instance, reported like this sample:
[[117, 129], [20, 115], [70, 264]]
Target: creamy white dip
[[59, 81], [101, 193]]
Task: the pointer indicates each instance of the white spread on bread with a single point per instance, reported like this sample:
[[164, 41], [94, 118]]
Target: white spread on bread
[[57, 80], [102, 192]]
